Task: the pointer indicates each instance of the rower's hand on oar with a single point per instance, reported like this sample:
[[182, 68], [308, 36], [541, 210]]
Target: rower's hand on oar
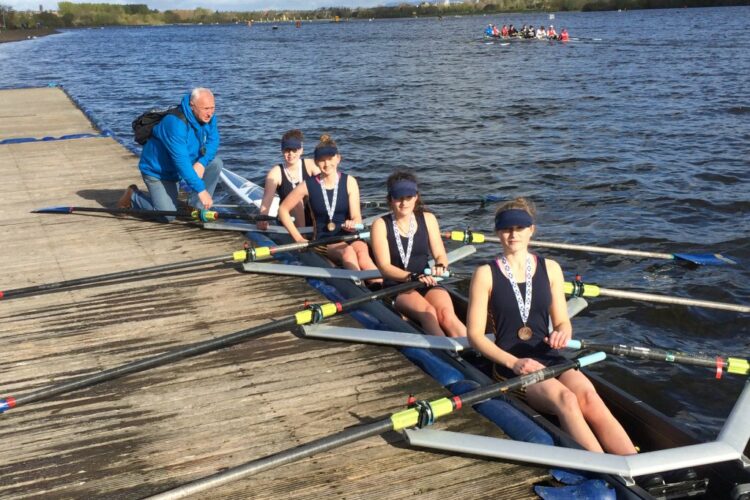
[[440, 270], [349, 226], [428, 280], [526, 365], [558, 339]]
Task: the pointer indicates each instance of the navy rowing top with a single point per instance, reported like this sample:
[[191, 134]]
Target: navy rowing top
[[318, 207], [507, 317], [420, 251], [286, 187]]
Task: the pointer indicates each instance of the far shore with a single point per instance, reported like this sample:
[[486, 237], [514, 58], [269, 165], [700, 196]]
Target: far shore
[[22, 34]]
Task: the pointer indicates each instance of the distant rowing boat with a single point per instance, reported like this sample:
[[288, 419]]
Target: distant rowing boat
[[508, 39], [521, 39]]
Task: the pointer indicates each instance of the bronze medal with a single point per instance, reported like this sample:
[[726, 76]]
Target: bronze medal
[[331, 226], [524, 333]]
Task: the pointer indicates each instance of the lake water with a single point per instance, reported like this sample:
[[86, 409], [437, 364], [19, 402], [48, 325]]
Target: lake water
[[636, 135]]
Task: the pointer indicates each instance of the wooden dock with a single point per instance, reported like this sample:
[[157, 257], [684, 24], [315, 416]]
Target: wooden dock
[[153, 431]]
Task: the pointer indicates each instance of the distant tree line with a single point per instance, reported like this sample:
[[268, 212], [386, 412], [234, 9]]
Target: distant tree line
[[103, 14]]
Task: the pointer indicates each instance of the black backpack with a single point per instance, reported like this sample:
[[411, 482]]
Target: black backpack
[[145, 122]]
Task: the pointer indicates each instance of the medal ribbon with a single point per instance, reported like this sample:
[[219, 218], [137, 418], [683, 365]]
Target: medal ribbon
[[299, 175], [412, 231], [330, 206], [524, 307]]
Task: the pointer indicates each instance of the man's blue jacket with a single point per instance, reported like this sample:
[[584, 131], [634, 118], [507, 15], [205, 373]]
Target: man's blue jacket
[[174, 146]]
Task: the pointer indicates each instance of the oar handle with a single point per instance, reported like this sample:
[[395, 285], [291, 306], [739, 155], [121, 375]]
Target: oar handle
[[590, 359], [574, 344], [445, 274]]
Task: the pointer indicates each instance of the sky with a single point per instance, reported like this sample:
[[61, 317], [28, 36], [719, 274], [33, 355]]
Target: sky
[[236, 5]]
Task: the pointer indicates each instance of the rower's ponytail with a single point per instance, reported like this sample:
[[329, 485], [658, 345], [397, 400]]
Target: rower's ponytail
[[326, 141]]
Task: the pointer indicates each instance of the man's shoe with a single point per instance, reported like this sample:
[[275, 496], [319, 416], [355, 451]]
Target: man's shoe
[[126, 200]]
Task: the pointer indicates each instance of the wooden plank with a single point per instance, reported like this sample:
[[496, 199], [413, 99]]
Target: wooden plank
[[41, 112]]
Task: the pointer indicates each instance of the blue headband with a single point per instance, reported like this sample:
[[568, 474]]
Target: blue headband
[[325, 152], [513, 218], [290, 143], [402, 188]]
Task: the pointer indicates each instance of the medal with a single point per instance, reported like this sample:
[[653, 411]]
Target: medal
[[524, 306], [524, 333], [405, 256], [330, 206]]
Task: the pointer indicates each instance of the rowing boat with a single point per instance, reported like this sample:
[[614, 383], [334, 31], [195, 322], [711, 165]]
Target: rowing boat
[[521, 39], [650, 429]]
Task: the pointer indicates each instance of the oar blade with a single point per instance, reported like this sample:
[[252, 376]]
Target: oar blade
[[52, 210], [706, 259]]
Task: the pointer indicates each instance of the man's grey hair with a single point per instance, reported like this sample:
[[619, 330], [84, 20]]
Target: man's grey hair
[[197, 91]]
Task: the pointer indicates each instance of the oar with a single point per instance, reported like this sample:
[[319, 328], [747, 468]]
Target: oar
[[193, 214], [578, 288], [474, 200], [737, 366], [312, 314], [421, 414], [263, 253], [705, 259], [247, 255]]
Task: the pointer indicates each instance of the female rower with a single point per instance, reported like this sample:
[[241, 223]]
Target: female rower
[[522, 291], [402, 242], [333, 198], [283, 178]]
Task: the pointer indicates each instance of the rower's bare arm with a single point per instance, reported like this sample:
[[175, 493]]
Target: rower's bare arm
[[382, 253], [273, 181], [562, 328], [354, 209], [476, 318], [437, 248], [286, 207]]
